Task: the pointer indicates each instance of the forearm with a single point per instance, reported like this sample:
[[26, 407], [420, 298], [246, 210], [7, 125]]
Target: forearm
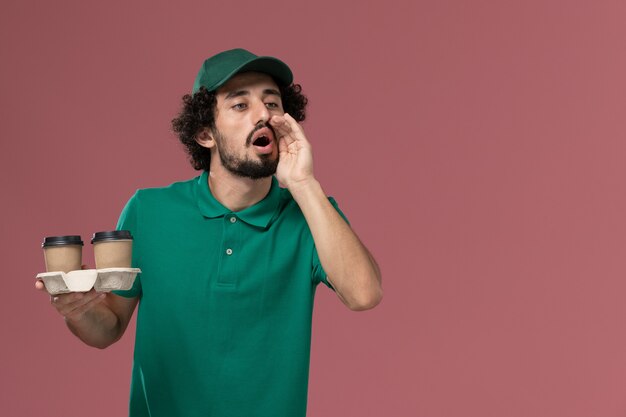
[[98, 327], [350, 267]]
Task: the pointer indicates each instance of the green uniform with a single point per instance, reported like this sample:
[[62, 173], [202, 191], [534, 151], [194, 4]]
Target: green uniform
[[226, 301]]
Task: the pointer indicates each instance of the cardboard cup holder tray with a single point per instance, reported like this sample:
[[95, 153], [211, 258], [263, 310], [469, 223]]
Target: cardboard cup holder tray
[[83, 280]]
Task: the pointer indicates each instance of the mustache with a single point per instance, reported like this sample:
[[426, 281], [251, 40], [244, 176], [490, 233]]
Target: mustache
[[259, 126]]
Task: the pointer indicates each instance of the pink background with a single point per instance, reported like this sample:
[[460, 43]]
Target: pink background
[[477, 147]]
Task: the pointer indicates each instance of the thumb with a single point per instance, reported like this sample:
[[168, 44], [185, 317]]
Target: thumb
[[39, 285]]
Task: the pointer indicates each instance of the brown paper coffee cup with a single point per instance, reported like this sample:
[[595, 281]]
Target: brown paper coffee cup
[[113, 249], [63, 253]]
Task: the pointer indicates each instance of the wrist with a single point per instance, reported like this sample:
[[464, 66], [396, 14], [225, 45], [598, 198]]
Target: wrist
[[303, 188], [75, 321]]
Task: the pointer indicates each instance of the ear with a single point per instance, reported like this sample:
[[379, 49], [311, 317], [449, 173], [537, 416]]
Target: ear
[[205, 138]]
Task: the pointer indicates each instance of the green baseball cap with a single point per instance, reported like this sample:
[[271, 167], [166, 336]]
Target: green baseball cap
[[218, 69]]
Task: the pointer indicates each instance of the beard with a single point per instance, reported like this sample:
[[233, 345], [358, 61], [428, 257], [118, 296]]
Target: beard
[[264, 167]]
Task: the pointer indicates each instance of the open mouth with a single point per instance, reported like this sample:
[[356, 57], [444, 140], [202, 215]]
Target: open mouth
[[261, 141]]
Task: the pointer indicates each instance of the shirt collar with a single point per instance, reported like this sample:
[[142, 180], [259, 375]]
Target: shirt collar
[[258, 215]]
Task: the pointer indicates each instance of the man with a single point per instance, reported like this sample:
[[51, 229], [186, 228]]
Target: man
[[230, 260]]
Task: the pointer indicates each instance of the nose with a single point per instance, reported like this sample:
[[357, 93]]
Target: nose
[[262, 113]]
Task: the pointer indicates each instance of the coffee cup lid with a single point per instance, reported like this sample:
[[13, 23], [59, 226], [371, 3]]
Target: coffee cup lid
[[62, 241], [112, 235]]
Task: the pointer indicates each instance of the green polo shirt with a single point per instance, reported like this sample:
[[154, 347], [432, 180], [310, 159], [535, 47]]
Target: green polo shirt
[[226, 301]]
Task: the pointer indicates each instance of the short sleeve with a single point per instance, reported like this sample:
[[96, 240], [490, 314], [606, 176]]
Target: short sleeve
[[319, 275], [128, 221]]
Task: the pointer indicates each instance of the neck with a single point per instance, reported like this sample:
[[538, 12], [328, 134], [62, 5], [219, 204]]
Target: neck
[[237, 193]]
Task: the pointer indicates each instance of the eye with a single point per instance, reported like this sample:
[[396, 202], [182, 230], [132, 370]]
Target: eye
[[272, 105], [240, 106]]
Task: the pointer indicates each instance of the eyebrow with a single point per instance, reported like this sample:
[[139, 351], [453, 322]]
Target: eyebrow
[[239, 93]]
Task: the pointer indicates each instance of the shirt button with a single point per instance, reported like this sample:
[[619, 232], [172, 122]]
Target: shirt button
[[229, 251], [233, 219]]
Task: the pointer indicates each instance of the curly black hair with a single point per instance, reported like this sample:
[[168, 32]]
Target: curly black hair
[[198, 113]]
